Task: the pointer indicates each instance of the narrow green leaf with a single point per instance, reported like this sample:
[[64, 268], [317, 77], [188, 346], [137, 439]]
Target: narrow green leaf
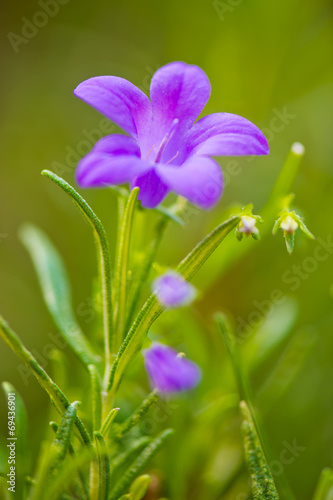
[[263, 487], [275, 329], [108, 421], [138, 414], [151, 310], [324, 490], [56, 290], [37, 492], [57, 397], [139, 464], [61, 442], [121, 462], [104, 467], [189, 266], [22, 455], [242, 380], [245, 391], [66, 476], [102, 246], [81, 488], [121, 274], [96, 397], [287, 368], [139, 487]]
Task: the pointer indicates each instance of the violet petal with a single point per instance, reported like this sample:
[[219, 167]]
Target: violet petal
[[199, 180], [225, 134], [152, 189], [115, 159], [168, 371], [178, 90], [172, 290], [119, 100]]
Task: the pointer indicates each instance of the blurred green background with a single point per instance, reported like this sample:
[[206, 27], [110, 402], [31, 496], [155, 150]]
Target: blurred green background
[[263, 59]]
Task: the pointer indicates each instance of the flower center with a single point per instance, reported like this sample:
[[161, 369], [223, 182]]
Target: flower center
[[166, 139]]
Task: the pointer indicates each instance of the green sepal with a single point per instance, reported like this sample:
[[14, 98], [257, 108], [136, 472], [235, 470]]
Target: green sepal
[[304, 229], [290, 241]]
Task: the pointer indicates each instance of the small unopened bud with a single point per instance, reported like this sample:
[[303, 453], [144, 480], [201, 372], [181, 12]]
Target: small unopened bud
[[248, 225], [289, 225]]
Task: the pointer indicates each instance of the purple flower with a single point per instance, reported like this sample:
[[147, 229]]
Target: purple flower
[[166, 150], [172, 290], [170, 371]]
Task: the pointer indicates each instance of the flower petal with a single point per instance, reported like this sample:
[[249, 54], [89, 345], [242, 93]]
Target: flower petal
[[172, 290], [178, 90], [199, 180], [152, 189], [119, 100], [168, 371], [115, 159], [225, 134]]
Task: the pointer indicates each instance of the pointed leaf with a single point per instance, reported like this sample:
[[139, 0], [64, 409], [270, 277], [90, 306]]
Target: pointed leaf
[[324, 490], [138, 414], [61, 443], [139, 464], [104, 466], [121, 462], [102, 246], [56, 290], [263, 487], [108, 421], [139, 487]]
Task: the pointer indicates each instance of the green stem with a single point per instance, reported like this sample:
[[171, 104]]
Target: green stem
[[151, 310], [121, 274], [145, 268], [102, 246]]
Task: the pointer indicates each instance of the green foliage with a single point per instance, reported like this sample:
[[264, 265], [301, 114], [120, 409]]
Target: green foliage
[[263, 486], [139, 463], [324, 490], [56, 290]]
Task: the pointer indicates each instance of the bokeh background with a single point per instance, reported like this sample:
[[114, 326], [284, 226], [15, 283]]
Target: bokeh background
[[264, 59]]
